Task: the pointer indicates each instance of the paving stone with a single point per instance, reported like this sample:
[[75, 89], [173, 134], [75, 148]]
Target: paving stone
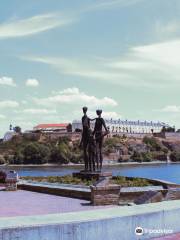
[[26, 203]]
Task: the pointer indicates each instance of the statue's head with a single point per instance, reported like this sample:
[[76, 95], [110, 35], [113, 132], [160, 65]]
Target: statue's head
[[84, 109], [98, 112]]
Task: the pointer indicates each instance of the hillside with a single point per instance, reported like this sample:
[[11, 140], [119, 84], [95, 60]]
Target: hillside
[[23, 150]]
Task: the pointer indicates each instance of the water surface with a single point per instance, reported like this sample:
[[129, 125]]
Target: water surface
[[168, 172]]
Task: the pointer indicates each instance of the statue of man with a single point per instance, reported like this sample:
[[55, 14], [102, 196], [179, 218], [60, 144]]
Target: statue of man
[[85, 136], [98, 132]]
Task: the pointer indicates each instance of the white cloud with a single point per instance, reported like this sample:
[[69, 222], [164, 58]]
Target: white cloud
[[106, 114], [39, 111], [8, 81], [44, 22], [155, 65], [171, 109], [32, 25], [2, 117], [104, 4], [85, 69], [24, 102], [168, 29], [31, 82], [72, 90], [9, 104], [75, 96]]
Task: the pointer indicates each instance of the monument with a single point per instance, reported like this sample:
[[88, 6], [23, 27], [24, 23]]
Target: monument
[[92, 143]]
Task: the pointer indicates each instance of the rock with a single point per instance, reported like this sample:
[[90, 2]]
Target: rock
[[149, 197], [173, 194]]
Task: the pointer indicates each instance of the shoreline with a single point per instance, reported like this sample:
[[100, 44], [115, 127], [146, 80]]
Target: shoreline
[[80, 164]]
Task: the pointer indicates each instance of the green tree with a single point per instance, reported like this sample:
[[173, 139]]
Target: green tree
[[152, 143], [17, 129], [36, 153], [61, 153], [137, 156], [18, 157], [168, 129]]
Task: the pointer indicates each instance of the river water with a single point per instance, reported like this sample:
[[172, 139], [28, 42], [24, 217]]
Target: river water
[[168, 172]]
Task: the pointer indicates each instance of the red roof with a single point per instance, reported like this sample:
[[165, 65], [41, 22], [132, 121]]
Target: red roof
[[52, 125]]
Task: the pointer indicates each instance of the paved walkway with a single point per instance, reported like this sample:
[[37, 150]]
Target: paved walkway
[[169, 237], [26, 203]]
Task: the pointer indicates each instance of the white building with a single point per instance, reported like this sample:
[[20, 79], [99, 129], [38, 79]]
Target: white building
[[126, 126], [9, 135], [52, 127]]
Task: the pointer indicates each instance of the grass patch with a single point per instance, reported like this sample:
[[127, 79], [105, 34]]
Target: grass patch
[[60, 179], [123, 181], [131, 182]]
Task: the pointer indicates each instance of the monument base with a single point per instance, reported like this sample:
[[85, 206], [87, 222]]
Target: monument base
[[11, 186], [105, 193], [87, 175]]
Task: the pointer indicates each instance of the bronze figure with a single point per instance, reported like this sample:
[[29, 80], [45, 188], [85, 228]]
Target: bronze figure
[[85, 136], [98, 133]]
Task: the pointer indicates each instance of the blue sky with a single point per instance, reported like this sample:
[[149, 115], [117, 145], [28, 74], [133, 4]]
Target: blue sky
[[119, 55]]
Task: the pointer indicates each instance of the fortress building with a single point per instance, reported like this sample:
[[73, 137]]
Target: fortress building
[[126, 126], [53, 127]]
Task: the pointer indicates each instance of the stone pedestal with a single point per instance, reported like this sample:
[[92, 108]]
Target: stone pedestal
[[11, 186], [11, 181], [92, 175], [103, 193]]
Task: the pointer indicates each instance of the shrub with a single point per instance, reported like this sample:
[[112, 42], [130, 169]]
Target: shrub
[[111, 142], [61, 153], [61, 179], [18, 157], [152, 143], [137, 157], [17, 129], [146, 156], [10, 159], [175, 156], [36, 153], [142, 156], [130, 182]]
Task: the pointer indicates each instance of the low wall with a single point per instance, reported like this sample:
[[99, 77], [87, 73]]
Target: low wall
[[126, 194], [72, 192], [110, 224]]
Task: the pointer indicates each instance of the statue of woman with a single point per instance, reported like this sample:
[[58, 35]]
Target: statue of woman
[[99, 135]]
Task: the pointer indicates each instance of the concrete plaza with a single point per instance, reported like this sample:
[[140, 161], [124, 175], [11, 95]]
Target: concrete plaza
[[27, 215], [26, 203]]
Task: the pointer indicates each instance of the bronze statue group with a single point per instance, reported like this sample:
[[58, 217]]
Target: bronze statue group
[[92, 140]]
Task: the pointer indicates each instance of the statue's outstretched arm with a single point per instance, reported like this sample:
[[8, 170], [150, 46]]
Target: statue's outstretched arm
[[92, 119]]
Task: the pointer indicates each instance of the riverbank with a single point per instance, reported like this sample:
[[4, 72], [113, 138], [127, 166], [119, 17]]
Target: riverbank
[[80, 164]]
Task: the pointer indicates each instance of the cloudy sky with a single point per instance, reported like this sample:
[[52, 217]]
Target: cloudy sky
[[119, 55]]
